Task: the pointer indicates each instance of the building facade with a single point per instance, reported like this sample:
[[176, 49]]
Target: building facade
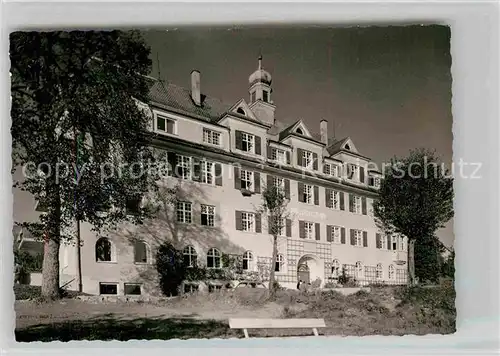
[[221, 157]]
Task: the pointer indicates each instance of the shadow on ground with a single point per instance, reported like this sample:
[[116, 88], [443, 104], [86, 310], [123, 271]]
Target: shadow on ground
[[114, 329]]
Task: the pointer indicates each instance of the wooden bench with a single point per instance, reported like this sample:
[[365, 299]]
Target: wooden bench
[[245, 324]]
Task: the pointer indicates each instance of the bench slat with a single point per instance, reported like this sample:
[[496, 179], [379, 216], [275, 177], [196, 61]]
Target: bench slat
[[276, 323]]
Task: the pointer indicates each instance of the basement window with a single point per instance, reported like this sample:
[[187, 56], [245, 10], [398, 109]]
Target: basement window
[[108, 288], [132, 289]]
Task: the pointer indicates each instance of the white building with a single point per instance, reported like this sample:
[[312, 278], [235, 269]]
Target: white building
[[225, 155]]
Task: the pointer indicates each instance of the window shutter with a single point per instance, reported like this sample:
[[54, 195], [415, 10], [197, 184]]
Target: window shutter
[[288, 227], [326, 168], [363, 205], [269, 225], [238, 140], [238, 220], [317, 231], [302, 231], [342, 205], [388, 242], [342, 235], [351, 203], [299, 157], [365, 239], [269, 152], [328, 200], [258, 147], [287, 188], [353, 240], [301, 191], [196, 166], [288, 159], [170, 126], [316, 195], [256, 180], [328, 233], [315, 161], [218, 174], [378, 241], [269, 181], [172, 162], [237, 179], [362, 174], [258, 223]]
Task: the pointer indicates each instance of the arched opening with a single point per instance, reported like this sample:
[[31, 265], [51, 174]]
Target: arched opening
[[214, 258], [309, 269], [103, 250], [140, 252], [241, 111], [190, 256], [347, 147], [299, 131]]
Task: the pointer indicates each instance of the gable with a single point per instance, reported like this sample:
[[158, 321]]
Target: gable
[[242, 108], [297, 128]]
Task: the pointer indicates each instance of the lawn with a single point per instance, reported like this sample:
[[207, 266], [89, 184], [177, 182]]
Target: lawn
[[382, 311]]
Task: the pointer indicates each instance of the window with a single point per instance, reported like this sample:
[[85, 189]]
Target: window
[[307, 159], [190, 288], [279, 182], [391, 272], [132, 289], [280, 262], [212, 137], [184, 167], [246, 180], [357, 205], [309, 230], [379, 271], [165, 125], [265, 96], [383, 241], [190, 256], [252, 97], [184, 212], [140, 252], [241, 111], [376, 182], [394, 242], [299, 131], [358, 238], [214, 258], [207, 215], [248, 261], [278, 155], [353, 172], [248, 221], [132, 206], [248, 142], [359, 269], [347, 147], [336, 269], [308, 194], [402, 243], [103, 250], [108, 288], [207, 172], [331, 169], [334, 200], [336, 234]]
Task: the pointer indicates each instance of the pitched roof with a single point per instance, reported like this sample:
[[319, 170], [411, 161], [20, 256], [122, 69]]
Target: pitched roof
[[336, 145], [284, 133], [179, 98]]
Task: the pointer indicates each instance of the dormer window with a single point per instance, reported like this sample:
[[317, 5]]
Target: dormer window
[[248, 142], [166, 125], [241, 111], [347, 147], [299, 131]]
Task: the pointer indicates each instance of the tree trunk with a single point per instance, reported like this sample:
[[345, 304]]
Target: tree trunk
[[411, 262], [272, 289], [50, 267]]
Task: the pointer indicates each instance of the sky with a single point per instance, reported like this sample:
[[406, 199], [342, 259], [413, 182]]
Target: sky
[[388, 88]]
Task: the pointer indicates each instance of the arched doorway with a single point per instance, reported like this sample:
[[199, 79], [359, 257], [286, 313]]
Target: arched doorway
[[303, 273], [309, 268]]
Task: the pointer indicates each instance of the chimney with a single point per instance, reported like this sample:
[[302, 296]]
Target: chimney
[[195, 87], [323, 130]]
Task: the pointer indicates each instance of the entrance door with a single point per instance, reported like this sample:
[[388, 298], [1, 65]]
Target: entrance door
[[303, 273]]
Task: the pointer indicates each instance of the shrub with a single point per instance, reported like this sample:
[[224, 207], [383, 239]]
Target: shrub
[[27, 292]]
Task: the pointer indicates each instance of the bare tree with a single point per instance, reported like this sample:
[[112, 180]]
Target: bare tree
[[274, 205]]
